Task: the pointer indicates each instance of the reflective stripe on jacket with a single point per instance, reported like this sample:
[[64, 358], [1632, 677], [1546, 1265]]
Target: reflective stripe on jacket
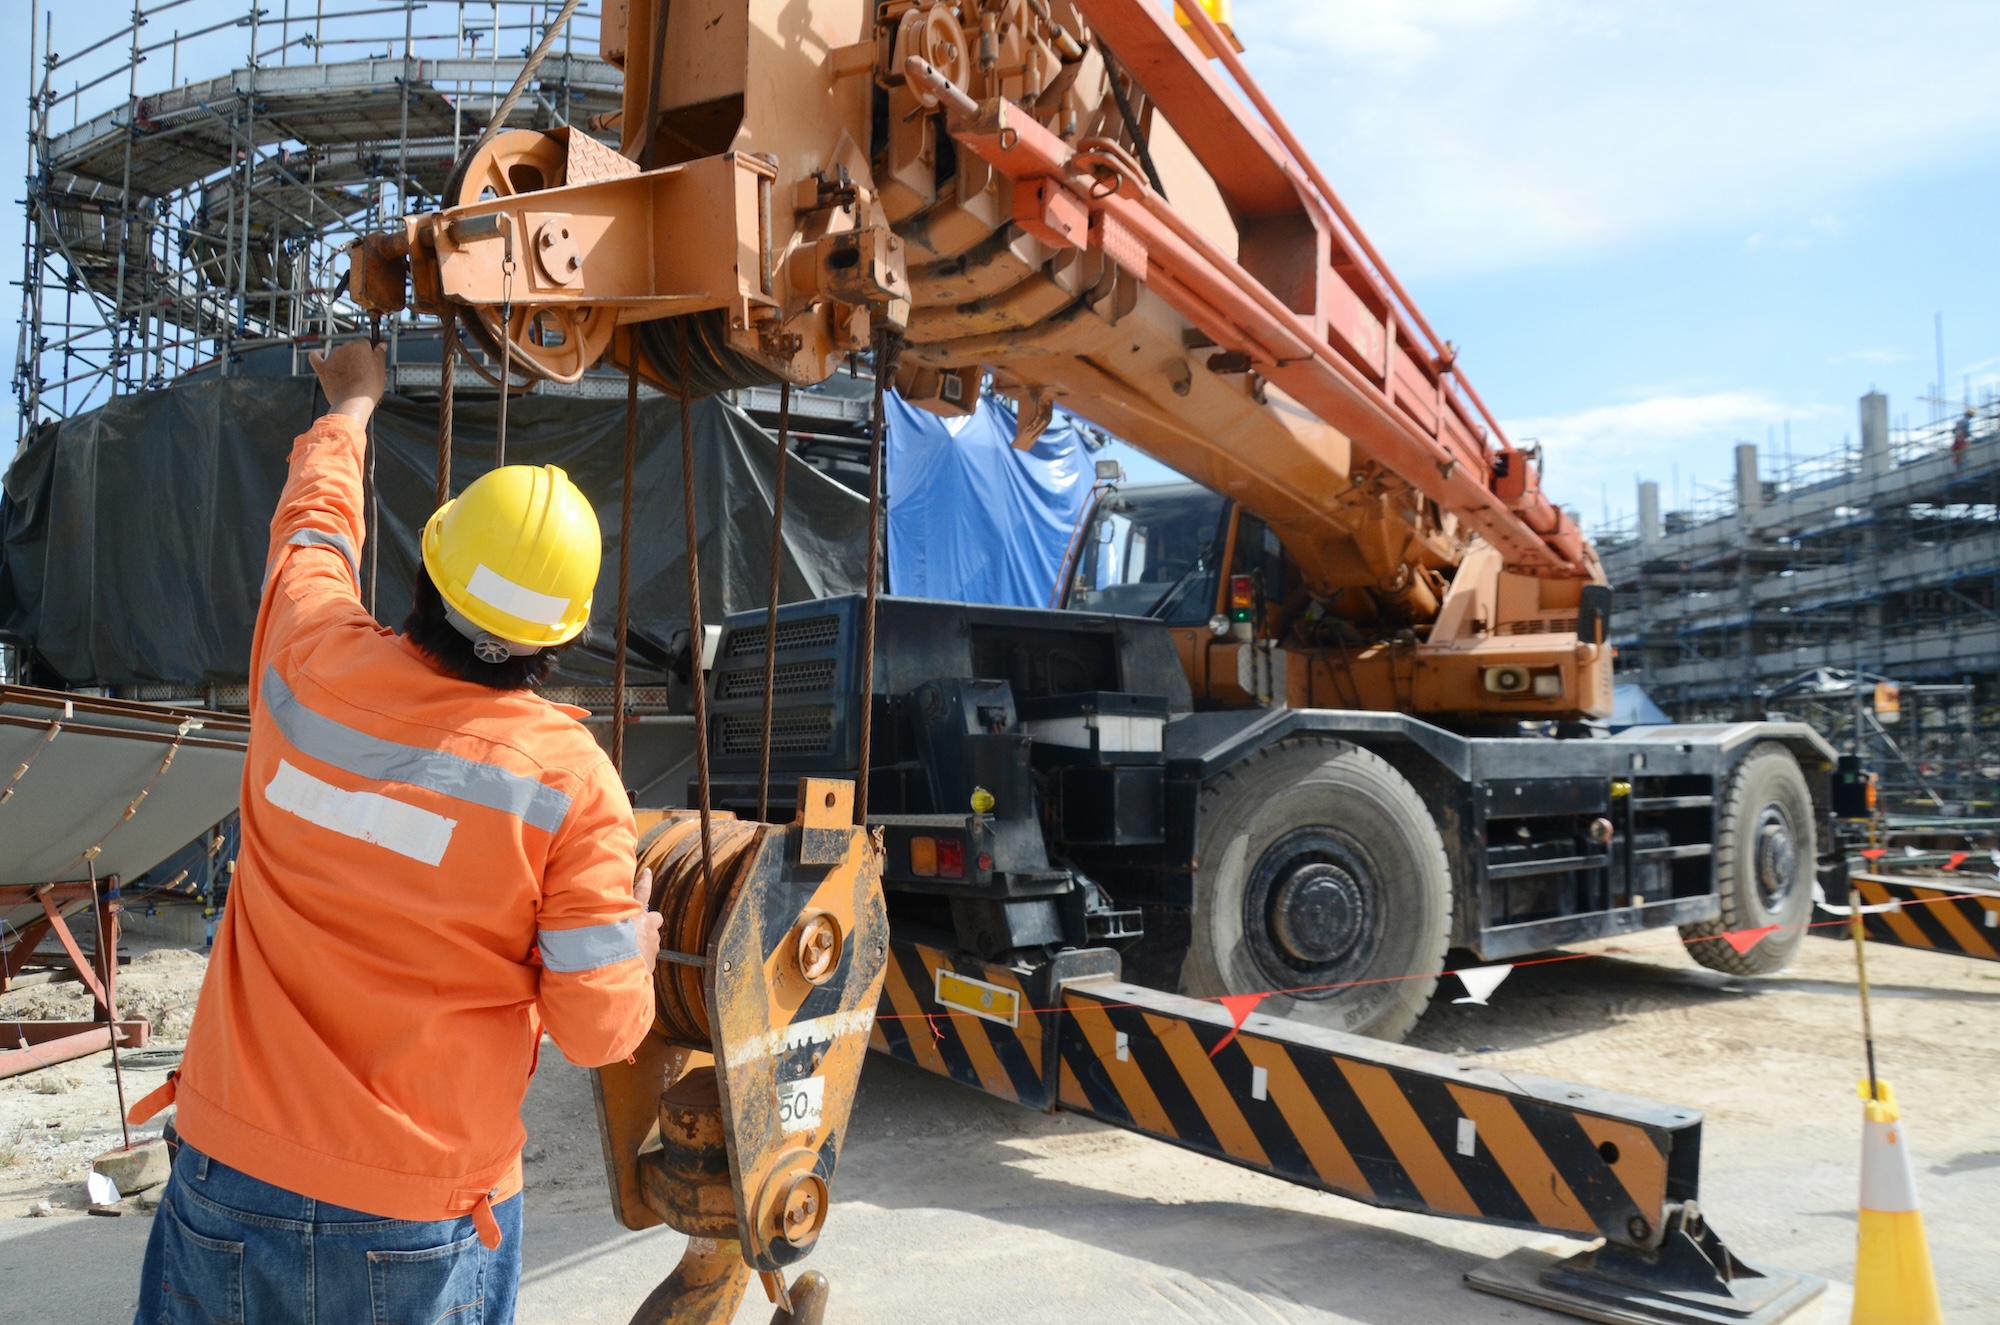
[[432, 872]]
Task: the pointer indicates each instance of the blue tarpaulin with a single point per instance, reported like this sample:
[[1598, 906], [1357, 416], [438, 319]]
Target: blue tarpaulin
[[1631, 706], [973, 520]]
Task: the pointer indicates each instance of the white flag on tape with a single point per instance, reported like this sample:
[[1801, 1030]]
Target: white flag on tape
[[101, 1189], [1820, 901], [1481, 981]]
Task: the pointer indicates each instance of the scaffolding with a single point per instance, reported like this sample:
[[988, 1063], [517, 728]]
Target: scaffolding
[[1803, 584], [187, 225]]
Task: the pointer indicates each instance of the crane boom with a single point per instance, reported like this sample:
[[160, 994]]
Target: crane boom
[[1431, 443], [1414, 404], [1064, 201]]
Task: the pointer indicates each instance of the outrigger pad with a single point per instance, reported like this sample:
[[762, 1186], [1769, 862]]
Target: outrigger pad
[[1692, 1279]]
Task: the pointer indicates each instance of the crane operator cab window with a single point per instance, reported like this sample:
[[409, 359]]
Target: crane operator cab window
[[1153, 552]]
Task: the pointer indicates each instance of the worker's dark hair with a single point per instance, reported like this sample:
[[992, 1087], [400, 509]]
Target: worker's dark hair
[[429, 629]]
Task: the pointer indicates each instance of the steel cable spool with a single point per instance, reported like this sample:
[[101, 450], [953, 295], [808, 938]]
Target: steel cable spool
[[689, 911], [713, 366]]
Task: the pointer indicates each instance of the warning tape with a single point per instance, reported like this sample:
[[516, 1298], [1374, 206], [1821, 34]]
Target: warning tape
[[1240, 1005]]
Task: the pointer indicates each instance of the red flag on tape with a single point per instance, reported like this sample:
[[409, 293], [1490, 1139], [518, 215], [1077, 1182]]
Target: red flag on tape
[[1745, 939], [1240, 1007], [1957, 859], [1874, 853]]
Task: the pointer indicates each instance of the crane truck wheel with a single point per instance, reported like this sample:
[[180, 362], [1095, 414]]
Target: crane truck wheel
[[1320, 872], [1766, 856]]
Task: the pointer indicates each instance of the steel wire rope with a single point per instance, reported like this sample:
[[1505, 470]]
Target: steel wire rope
[[648, 129], [107, 930], [885, 354], [506, 353], [620, 651], [498, 119], [447, 398], [1123, 97], [371, 495], [771, 604], [696, 679]]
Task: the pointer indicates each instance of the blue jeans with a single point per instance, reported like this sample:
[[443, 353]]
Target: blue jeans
[[228, 1248]]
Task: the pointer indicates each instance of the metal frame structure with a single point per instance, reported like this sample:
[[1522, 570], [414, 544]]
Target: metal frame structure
[[95, 795], [180, 226], [1877, 560]]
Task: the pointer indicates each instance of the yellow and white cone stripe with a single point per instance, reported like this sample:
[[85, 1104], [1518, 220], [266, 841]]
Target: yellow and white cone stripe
[[1893, 1280]]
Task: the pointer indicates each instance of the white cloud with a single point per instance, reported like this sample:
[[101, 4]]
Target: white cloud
[[1476, 134], [1592, 456]]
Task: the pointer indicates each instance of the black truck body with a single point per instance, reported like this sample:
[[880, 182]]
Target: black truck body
[[1081, 730]]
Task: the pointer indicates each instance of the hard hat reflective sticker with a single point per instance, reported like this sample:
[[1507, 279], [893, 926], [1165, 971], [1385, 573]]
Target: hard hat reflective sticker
[[385, 822], [516, 600]]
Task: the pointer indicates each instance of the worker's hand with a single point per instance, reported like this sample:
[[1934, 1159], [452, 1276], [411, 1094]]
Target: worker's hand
[[649, 920], [352, 377]]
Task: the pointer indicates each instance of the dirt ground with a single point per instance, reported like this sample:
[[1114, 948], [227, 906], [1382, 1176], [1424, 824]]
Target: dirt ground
[[1041, 1218]]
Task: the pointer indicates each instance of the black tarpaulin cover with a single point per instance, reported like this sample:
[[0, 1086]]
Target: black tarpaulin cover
[[132, 538]]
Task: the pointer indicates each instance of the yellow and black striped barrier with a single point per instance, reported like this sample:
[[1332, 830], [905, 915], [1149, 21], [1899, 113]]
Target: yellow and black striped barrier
[[1934, 915], [1385, 1124], [967, 1020]]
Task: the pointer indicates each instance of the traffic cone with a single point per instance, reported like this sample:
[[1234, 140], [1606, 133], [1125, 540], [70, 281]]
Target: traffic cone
[[1893, 1280]]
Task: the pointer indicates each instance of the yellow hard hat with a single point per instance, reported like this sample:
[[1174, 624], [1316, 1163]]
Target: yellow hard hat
[[515, 556]]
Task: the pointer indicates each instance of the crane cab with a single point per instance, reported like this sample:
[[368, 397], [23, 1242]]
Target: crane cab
[[1493, 651]]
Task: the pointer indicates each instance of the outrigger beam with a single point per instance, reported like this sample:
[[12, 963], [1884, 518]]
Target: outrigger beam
[[1386, 1124]]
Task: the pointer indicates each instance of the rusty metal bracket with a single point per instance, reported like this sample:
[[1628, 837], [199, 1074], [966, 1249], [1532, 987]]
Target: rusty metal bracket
[[734, 1139]]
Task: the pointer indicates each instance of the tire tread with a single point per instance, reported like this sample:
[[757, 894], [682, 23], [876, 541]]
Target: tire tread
[[1704, 937], [1224, 786]]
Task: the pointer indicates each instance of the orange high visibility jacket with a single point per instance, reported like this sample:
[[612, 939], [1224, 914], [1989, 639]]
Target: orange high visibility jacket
[[431, 873]]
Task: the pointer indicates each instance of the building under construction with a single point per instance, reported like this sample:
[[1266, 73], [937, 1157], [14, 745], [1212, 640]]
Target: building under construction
[[194, 183], [1811, 583], [191, 188]]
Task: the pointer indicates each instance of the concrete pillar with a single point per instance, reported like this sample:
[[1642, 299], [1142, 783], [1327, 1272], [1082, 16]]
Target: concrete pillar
[[1749, 488], [1875, 433], [1649, 513]]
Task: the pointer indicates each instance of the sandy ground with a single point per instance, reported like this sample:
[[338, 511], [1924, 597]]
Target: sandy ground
[[951, 1204]]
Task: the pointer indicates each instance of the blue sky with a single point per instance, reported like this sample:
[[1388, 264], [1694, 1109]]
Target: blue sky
[[1654, 229], [1659, 229]]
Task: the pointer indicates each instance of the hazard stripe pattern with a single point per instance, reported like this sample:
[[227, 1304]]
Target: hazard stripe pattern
[[1405, 1138], [1002, 1061], [1954, 919]]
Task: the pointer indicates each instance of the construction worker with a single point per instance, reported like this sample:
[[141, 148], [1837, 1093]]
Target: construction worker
[[437, 865]]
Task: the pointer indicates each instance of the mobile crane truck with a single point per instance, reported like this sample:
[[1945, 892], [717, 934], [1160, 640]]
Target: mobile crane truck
[[1301, 731]]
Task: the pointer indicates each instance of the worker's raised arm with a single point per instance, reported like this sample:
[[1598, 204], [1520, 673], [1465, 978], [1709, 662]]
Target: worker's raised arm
[[317, 532], [597, 941]]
